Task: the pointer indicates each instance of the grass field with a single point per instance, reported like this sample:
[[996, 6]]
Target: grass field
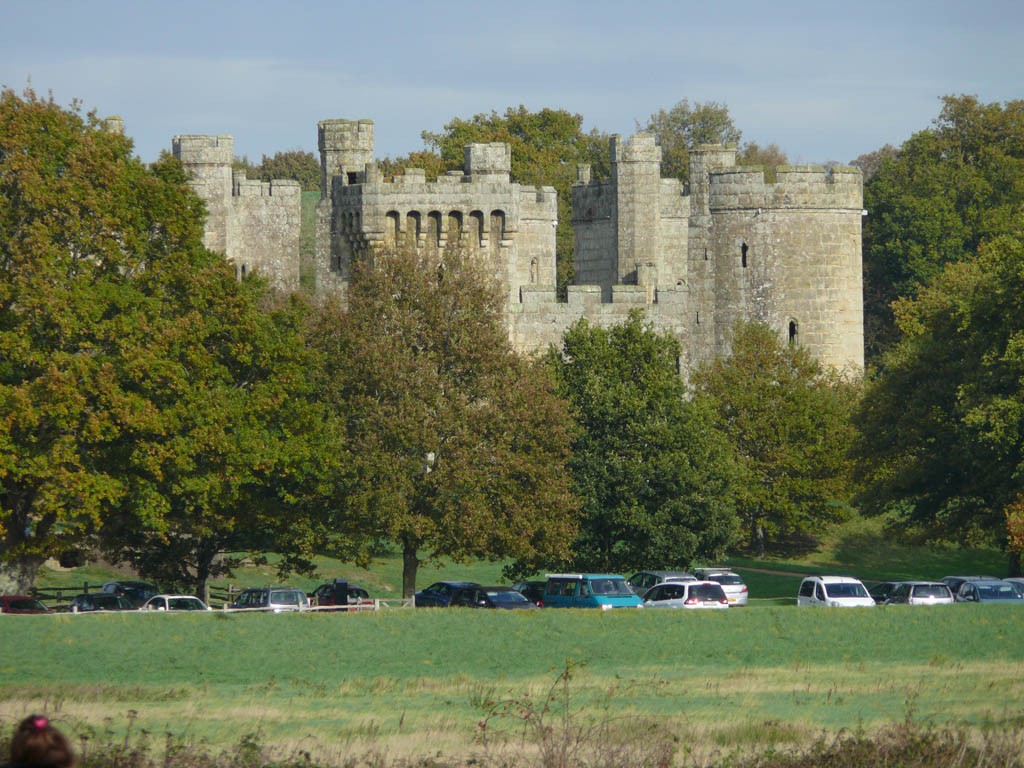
[[400, 680], [413, 683]]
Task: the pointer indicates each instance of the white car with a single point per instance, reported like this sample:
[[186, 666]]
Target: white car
[[174, 603], [686, 594], [731, 582], [834, 592], [920, 593]]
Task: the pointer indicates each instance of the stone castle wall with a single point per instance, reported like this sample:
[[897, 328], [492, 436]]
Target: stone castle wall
[[254, 224], [694, 258]]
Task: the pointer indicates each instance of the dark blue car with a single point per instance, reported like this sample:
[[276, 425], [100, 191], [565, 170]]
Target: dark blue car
[[439, 594]]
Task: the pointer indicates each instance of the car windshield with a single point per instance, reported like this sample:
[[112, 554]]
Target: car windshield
[[726, 578], [707, 592], [184, 604], [610, 587], [506, 597], [285, 597], [930, 590], [996, 592], [846, 590], [25, 604]]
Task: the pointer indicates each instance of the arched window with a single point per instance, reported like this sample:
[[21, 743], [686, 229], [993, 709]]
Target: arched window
[[391, 229], [454, 227], [794, 332], [413, 228], [477, 233]]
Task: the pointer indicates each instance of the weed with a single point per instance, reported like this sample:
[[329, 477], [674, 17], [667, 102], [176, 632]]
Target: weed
[[556, 733]]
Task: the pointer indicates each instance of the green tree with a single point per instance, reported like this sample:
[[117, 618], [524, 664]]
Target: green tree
[[294, 164], [235, 450], [790, 422], [770, 157], [546, 148], [458, 445], [947, 190], [80, 219], [942, 427], [686, 126], [142, 389], [656, 480]]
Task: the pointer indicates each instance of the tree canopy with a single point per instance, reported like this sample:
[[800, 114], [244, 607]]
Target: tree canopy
[[790, 423], [295, 164], [656, 481], [947, 190], [547, 145], [458, 445], [686, 126], [942, 430], [142, 388]]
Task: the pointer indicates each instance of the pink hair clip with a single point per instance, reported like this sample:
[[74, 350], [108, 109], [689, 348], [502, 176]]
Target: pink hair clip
[[39, 723]]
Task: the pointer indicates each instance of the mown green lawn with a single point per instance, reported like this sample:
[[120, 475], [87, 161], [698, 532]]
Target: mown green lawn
[[415, 679]]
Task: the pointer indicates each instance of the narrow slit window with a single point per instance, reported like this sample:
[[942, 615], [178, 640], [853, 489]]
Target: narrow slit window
[[743, 254], [794, 332]]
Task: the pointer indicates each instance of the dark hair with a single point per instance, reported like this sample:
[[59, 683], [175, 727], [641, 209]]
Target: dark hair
[[37, 743]]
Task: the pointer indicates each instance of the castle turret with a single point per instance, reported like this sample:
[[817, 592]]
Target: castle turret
[[207, 159], [636, 173], [346, 147]]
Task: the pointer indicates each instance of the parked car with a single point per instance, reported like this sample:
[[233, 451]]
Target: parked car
[[920, 593], [175, 603], [439, 594], [642, 581], [21, 604], [340, 595], [506, 598], [273, 599], [731, 582], [531, 590], [589, 590], [955, 582], [834, 592], [988, 591], [687, 594], [1018, 584], [99, 601], [137, 592], [882, 591]]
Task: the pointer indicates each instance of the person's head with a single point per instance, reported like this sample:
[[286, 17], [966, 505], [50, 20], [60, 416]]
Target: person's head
[[37, 743]]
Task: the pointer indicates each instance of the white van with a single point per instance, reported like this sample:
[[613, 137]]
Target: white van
[[834, 592]]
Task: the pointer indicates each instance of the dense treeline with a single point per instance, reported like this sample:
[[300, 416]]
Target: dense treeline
[[157, 410]]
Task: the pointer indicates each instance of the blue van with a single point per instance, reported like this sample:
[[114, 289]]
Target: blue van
[[589, 590]]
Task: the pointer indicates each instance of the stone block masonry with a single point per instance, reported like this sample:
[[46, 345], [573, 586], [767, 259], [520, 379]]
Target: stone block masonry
[[695, 257]]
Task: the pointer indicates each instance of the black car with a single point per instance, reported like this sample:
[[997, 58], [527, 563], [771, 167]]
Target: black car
[[531, 590], [136, 592], [882, 591], [99, 601], [340, 595], [439, 594], [506, 598]]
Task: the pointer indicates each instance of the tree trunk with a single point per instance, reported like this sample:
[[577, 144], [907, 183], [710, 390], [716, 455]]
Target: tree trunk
[[410, 564], [1014, 565]]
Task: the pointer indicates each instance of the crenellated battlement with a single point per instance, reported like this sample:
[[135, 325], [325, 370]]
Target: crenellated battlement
[[694, 257], [204, 150], [796, 187]]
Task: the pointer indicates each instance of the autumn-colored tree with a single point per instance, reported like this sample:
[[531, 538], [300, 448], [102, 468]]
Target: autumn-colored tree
[[458, 445], [147, 401]]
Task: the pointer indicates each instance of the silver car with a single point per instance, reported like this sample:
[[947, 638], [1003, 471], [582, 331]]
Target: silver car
[[920, 593], [686, 594]]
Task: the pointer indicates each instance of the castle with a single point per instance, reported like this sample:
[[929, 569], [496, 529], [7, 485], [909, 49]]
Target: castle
[[694, 257]]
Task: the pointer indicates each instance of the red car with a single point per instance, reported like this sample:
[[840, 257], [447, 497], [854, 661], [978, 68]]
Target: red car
[[21, 604]]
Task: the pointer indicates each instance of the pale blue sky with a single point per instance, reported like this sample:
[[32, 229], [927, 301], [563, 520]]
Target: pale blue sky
[[823, 80]]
